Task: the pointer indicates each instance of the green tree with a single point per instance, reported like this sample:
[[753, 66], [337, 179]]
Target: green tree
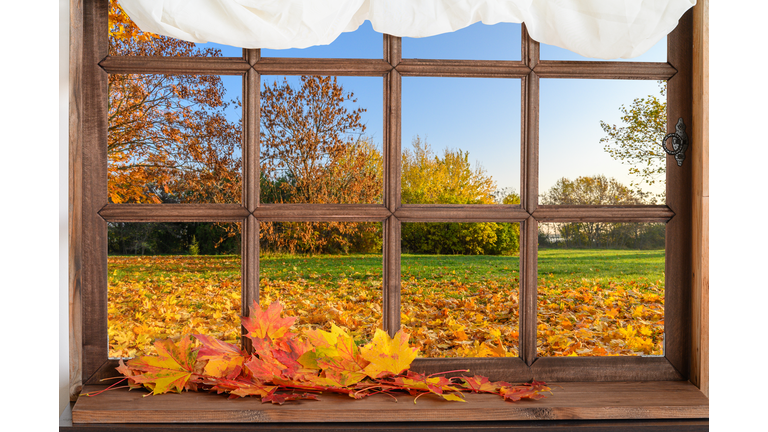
[[637, 141], [595, 190], [450, 179], [430, 179]]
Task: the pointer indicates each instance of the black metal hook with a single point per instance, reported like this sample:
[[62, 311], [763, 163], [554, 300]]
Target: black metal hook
[[679, 142]]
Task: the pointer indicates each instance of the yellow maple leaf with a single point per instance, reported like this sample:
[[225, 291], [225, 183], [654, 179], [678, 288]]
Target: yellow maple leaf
[[388, 356]]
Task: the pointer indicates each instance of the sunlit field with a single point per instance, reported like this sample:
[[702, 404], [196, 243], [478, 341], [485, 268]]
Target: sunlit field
[[590, 302]]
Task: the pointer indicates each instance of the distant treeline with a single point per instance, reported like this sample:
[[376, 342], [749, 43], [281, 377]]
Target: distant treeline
[[173, 238], [590, 235]]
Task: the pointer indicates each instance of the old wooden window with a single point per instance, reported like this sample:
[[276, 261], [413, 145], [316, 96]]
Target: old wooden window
[[93, 210]]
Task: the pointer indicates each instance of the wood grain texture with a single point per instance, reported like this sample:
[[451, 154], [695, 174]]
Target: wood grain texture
[[393, 50], [321, 212], [529, 130], [175, 65], [339, 67], [677, 301], [529, 256], [75, 209], [463, 68], [90, 169], [249, 268], [461, 213], [391, 274], [509, 369], [623, 425], [604, 369], [576, 400], [530, 50], [252, 56], [173, 212], [700, 161], [604, 70], [392, 136], [656, 213], [251, 137]]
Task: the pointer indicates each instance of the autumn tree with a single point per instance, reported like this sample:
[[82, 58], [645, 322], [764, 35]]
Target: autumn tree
[[431, 179], [595, 190], [637, 142], [314, 150], [169, 139], [428, 178]]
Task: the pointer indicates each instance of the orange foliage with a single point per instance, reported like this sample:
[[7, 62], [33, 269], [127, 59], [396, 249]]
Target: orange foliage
[[168, 137], [281, 364]]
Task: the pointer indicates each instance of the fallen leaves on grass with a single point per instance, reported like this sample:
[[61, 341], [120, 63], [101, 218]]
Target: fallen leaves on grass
[[287, 367], [447, 316]]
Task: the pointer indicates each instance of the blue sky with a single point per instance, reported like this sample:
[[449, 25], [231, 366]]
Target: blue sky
[[482, 115]]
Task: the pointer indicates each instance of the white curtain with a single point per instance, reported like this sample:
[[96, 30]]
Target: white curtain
[[592, 28]]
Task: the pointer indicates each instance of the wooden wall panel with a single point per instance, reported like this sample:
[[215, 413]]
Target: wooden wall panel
[[677, 305], [700, 161], [88, 191]]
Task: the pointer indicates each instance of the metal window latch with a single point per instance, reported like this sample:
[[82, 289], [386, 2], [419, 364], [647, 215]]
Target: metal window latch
[[679, 142]]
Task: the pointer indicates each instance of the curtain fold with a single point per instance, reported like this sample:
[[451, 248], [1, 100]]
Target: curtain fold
[[592, 28]]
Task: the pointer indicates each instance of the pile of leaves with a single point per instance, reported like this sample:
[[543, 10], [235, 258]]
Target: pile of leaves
[[284, 366]]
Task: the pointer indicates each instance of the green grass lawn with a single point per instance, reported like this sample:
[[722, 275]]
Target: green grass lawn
[[619, 265]]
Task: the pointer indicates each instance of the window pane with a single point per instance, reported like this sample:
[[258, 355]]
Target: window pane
[[475, 42], [174, 139], [460, 288], [657, 53], [323, 273], [168, 279], [126, 39], [460, 141], [321, 140], [600, 142], [361, 43], [601, 289]]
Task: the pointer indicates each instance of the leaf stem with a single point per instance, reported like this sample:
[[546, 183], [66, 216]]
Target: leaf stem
[[108, 388]]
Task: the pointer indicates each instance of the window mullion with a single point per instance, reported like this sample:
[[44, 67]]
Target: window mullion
[[392, 162], [529, 195], [249, 282]]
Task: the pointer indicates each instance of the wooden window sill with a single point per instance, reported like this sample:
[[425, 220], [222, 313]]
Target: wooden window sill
[[569, 401]]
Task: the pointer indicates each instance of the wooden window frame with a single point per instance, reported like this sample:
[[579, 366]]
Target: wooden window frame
[[686, 304]]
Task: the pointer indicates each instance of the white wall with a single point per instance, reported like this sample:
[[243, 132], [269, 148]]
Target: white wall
[[32, 151]]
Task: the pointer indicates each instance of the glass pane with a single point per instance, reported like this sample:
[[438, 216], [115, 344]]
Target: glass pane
[[126, 39], [657, 53], [475, 42], [460, 141], [600, 142], [174, 139], [601, 289], [168, 279], [321, 140], [460, 288], [323, 273], [361, 43]]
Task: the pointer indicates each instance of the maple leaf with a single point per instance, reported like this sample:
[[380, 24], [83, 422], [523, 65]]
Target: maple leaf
[[241, 387], [388, 356], [337, 355], [267, 324], [224, 359], [481, 384], [170, 370], [439, 385]]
